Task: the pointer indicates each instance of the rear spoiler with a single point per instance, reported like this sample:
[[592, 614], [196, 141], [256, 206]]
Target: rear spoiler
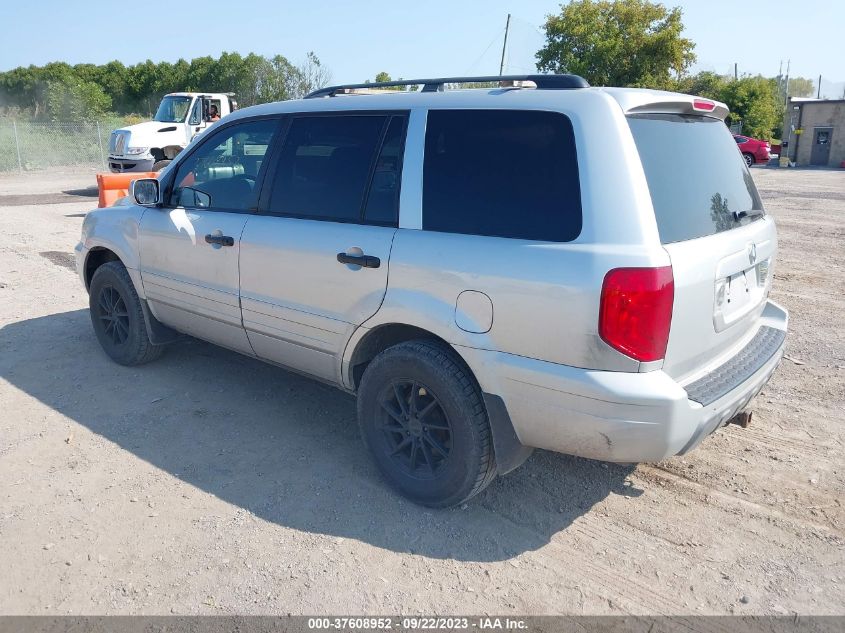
[[702, 107], [639, 101]]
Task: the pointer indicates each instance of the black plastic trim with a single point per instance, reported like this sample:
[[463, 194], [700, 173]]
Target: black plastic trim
[[158, 333], [765, 344], [543, 82], [510, 452]]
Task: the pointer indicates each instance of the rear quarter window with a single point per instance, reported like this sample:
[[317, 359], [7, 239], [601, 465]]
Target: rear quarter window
[[501, 173], [698, 181]]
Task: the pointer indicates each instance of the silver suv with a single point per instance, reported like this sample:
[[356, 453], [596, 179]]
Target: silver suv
[[533, 263]]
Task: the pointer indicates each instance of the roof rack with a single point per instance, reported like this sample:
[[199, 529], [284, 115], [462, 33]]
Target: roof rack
[[543, 82]]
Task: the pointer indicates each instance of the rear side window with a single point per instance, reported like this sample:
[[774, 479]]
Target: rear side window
[[383, 198], [501, 173], [698, 182], [325, 165]]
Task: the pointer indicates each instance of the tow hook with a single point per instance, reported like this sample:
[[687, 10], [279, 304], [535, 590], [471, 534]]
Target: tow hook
[[743, 419]]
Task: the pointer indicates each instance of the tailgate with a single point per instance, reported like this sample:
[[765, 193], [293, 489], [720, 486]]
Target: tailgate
[[721, 285], [713, 226]]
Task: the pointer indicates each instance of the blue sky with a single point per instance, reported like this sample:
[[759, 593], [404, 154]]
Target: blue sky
[[409, 39]]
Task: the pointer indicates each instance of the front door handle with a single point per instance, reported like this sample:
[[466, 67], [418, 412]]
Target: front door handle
[[222, 240], [365, 261]]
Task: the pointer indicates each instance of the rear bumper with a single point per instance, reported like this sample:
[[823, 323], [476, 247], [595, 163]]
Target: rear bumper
[[619, 416]]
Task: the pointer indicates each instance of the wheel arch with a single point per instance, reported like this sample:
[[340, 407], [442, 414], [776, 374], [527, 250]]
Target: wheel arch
[[509, 451], [96, 257], [378, 339]]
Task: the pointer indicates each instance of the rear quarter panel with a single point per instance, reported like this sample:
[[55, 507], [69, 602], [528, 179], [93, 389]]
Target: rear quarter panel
[[545, 295]]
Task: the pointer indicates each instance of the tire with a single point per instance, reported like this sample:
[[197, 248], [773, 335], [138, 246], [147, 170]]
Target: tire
[[749, 160], [442, 457], [118, 318], [161, 164]]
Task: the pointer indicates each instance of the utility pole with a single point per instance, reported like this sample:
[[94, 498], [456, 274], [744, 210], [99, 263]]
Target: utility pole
[[505, 45], [736, 71], [819, 90], [786, 135], [786, 92]]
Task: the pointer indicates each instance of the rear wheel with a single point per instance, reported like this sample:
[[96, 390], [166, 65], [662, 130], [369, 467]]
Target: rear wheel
[[423, 418], [118, 318], [749, 159]]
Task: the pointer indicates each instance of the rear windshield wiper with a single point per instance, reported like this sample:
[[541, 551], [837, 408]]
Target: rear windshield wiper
[[754, 213]]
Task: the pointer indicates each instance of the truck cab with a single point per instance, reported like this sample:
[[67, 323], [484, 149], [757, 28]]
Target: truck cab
[[150, 146]]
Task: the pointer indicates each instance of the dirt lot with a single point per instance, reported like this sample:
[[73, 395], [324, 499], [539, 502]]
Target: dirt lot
[[208, 482]]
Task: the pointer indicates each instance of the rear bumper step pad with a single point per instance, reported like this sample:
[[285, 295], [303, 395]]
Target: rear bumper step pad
[[707, 389]]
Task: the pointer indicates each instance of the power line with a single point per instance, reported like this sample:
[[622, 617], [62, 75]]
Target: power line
[[495, 39]]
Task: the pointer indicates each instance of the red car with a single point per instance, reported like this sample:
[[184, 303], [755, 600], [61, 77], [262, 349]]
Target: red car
[[753, 150]]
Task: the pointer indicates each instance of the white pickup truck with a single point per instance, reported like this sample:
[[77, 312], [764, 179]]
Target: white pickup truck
[[150, 146]]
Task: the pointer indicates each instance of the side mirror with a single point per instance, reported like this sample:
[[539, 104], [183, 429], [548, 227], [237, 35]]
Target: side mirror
[[145, 192]]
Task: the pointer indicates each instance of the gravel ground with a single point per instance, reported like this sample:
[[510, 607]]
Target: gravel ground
[[210, 483]]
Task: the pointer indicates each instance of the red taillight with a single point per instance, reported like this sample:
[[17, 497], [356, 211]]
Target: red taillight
[[636, 311], [701, 104]]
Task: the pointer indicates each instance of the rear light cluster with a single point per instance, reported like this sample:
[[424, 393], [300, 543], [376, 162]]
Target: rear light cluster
[[636, 311]]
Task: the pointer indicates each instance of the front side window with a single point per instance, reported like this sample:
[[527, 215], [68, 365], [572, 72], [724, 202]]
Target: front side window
[[222, 173], [173, 110], [501, 173], [325, 168]]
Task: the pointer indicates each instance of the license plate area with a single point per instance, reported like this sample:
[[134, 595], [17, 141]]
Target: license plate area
[[738, 294]]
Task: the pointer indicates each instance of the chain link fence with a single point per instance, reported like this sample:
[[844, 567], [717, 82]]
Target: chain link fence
[[34, 145]]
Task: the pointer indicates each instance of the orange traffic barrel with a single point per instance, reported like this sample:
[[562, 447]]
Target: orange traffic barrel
[[112, 187]]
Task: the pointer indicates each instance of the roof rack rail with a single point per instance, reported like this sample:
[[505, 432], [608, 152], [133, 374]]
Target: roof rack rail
[[543, 82]]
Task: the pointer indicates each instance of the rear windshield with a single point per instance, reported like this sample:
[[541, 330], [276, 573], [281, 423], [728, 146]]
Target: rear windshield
[[698, 181]]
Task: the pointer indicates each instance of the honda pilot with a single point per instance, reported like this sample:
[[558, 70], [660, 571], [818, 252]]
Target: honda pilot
[[526, 264]]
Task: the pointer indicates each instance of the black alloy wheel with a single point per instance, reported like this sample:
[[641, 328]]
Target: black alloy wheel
[[113, 314], [117, 315], [422, 415], [416, 428]]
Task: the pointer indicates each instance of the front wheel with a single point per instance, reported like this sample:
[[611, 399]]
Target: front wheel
[[749, 159], [118, 318], [422, 416]]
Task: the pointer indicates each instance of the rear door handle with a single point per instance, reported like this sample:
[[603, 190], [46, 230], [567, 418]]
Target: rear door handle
[[222, 240], [365, 261]]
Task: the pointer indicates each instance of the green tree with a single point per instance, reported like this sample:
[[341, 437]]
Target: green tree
[[617, 43], [801, 87], [755, 102], [312, 76], [60, 91], [274, 79], [704, 84], [70, 99], [384, 76]]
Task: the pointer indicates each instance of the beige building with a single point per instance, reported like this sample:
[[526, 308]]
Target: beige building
[[816, 132]]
